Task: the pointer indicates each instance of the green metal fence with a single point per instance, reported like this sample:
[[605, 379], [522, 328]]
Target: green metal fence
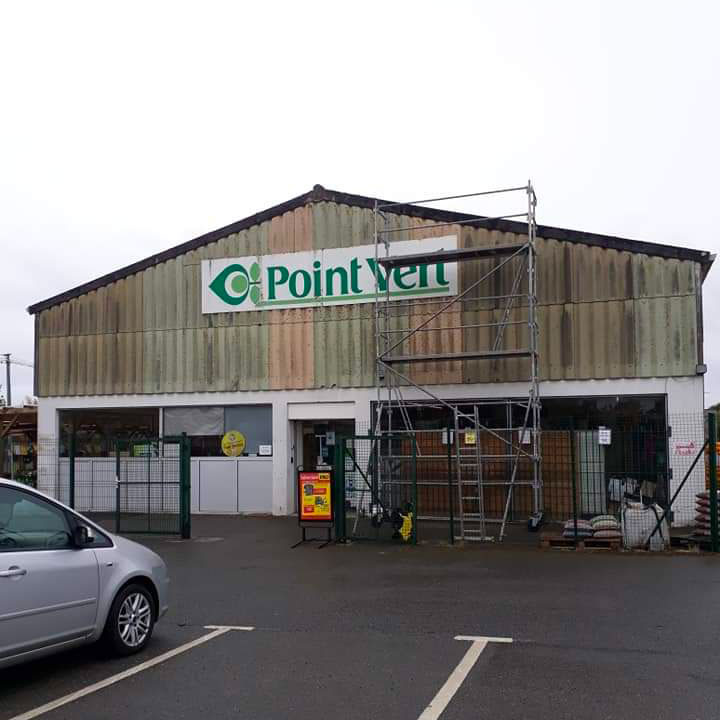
[[376, 490], [143, 488], [646, 489], [637, 486], [712, 484]]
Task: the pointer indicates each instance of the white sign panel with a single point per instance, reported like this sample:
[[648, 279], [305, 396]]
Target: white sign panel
[[686, 449], [336, 276], [604, 436], [445, 437]]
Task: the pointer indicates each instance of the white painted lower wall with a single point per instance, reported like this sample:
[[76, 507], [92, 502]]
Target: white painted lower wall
[[267, 484], [231, 485]]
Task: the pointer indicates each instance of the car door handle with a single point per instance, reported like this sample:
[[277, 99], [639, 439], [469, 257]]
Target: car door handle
[[13, 572]]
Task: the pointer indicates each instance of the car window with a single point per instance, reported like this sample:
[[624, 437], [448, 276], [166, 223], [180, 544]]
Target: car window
[[28, 522]]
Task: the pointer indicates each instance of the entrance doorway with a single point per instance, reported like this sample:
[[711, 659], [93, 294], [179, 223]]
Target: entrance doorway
[[317, 441]]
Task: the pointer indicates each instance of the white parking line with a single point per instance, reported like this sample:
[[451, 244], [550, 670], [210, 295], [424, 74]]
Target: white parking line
[[246, 628], [216, 632], [473, 638], [457, 676]]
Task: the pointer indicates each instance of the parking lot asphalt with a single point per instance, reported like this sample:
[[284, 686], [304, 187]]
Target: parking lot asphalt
[[368, 631]]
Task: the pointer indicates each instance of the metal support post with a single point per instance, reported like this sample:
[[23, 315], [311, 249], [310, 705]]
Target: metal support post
[[117, 486], [71, 472], [451, 502], [413, 469], [573, 476], [339, 489], [185, 521], [8, 389], [712, 433]]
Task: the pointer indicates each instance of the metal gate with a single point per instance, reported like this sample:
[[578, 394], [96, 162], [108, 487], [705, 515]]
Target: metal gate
[[376, 487], [145, 488]]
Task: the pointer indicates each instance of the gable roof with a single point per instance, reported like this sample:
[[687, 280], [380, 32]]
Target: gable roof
[[321, 194]]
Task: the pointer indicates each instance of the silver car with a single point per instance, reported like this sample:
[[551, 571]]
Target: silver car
[[64, 581]]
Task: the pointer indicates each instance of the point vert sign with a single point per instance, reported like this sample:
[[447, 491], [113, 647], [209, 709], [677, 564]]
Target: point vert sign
[[336, 276]]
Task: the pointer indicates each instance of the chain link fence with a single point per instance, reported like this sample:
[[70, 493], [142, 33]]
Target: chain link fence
[[638, 486], [634, 487], [144, 487], [606, 487], [376, 479]]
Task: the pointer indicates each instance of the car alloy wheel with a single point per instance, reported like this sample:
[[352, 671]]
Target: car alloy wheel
[[134, 620]]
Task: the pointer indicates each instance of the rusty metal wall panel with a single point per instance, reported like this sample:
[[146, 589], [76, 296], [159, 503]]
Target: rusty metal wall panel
[[344, 346], [498, 282], [665, 336], [441, 334], [597, 274], [555, 341], [554, 274], [43, 362], [602, 335], [515, 337], [603, 313], [481, 311], [658, 277], [344, 335], [291, 345]]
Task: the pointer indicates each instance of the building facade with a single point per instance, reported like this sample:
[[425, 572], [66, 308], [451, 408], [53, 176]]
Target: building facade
[[259, 327]]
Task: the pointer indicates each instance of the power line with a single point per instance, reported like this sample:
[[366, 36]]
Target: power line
[[16, 362]]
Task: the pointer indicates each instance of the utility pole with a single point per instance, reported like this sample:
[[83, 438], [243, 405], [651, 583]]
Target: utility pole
[[8, 394]]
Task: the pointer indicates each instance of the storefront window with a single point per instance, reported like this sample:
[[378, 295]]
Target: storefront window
[[194, 421], [644, 413], [206, 426], [619, 412], [425, 417], [97, 430], [254, 422]]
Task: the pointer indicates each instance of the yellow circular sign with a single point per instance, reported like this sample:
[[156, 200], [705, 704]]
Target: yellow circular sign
[[233, 443]]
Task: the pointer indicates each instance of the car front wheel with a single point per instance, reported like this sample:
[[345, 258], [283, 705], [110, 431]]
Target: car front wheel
[[131, 620]]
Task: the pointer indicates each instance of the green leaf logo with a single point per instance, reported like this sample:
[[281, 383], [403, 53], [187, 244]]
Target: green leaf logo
[[234, 284]]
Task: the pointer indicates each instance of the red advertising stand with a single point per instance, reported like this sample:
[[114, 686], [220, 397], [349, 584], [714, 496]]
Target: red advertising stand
[[315, 503]]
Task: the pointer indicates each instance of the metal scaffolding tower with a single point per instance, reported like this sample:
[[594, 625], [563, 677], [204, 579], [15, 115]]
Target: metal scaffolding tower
[[479, 447]]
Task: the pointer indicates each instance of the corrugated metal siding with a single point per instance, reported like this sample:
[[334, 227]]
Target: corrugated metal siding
[[602, 313]]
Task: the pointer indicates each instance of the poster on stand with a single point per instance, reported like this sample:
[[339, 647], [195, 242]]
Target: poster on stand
[[315, 497]]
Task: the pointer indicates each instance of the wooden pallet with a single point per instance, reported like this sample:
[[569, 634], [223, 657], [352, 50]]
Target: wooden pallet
[[593, 543], [558, 541], [690, 542]]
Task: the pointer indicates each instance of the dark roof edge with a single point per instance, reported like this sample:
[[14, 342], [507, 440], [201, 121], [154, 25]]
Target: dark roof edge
[[173, 252], [544, 231], [320, 194]]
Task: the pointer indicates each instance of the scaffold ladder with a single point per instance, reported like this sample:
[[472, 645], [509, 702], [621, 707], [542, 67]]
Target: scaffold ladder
[[470, 481]]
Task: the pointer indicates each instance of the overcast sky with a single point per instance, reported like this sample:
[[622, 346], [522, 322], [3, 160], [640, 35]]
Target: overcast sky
[[127, 128]]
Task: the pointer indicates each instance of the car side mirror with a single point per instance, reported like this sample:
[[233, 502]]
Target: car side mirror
[[82, 536]]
